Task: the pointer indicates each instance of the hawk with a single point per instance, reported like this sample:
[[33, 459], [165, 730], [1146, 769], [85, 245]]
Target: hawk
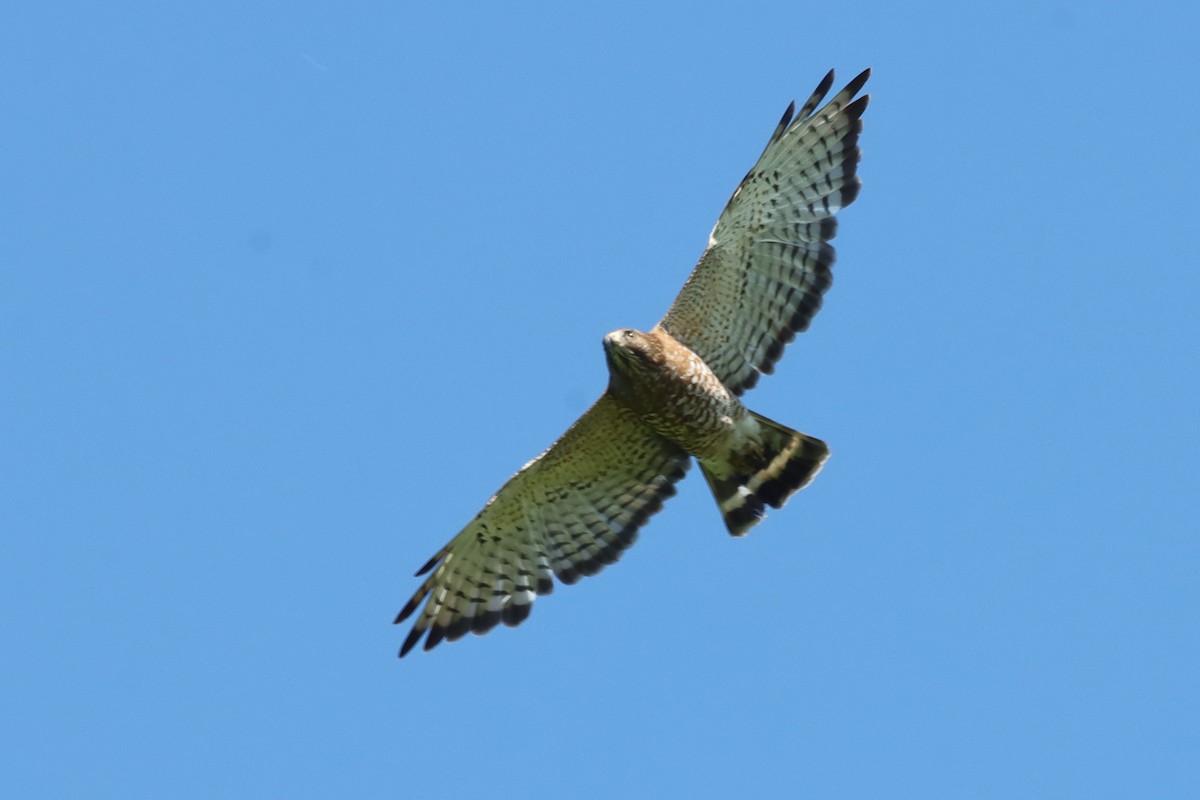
[[672, 395]]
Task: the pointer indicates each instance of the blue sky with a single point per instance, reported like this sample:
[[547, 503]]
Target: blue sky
[[287, 291]]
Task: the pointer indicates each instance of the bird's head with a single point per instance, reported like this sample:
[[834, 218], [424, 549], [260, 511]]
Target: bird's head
[[631, 353]]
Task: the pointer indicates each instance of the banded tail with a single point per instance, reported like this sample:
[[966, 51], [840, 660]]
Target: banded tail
[[745, 484]]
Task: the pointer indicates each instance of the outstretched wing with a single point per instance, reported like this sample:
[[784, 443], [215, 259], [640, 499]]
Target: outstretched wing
[[569, 512], [768, 258]]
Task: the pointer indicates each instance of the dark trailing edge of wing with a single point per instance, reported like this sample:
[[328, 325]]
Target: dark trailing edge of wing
[[514, 614], [623, 540], [849, 154]]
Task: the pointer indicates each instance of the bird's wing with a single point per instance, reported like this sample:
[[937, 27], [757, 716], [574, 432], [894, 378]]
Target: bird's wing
[[768, 259], [568, 513]]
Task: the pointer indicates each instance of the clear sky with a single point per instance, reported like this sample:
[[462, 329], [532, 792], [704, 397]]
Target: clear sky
[[287, 290]]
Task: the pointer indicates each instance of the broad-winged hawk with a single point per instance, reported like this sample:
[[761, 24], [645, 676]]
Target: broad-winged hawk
[[672, 395]]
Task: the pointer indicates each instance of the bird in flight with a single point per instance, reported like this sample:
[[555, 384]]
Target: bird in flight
[[672, 395]]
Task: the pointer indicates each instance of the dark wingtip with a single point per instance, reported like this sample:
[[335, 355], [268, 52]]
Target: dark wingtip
[[855, 109], [814, 100], [436, 634], [431, 563], [410, 641], [784, 121], [824, 86], [409, 607], [857, 83]]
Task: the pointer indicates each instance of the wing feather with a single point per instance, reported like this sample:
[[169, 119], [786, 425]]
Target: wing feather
[[568, 513], [761, 279]]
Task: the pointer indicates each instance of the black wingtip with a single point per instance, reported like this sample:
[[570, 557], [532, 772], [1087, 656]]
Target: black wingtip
[[824, 86], [855, 109], [410, 641], [410, 606], [785, 121], [854, 85], [436, 634], [431, 563], [814, 100]]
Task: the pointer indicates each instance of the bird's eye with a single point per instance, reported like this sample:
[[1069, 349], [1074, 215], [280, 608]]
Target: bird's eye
[[628, 334]]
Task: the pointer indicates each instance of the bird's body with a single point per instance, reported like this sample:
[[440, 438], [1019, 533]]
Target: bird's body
[[748, 460], [673, 395], [672, 391]]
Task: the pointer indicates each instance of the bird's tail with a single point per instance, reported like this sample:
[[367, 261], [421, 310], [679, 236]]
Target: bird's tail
[[781, 462]]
